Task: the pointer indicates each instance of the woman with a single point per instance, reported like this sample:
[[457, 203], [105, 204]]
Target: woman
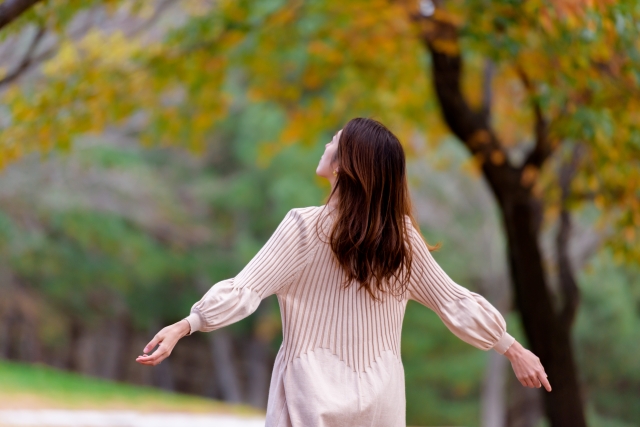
[[343, 273]]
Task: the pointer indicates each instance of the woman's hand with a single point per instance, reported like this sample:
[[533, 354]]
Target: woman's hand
[[527, 367], [166, 339]]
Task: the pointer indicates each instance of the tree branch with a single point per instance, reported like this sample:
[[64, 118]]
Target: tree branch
[[29, 61], [487, 91], [440, 36], [542, 149], [441, 39], [11, 9], [26, 61]]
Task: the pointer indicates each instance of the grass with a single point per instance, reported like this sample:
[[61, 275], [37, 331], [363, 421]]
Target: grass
[[31, 386]]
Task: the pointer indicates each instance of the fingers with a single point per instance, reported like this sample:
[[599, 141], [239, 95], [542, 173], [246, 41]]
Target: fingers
[[166, 339], [162, 352], [152, 344], [530, 378], [541, 377], [154, 359], [527, 381], [535, 380], [545, 381], [529, 371]]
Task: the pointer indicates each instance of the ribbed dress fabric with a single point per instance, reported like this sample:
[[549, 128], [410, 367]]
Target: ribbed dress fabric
[[339, 363]]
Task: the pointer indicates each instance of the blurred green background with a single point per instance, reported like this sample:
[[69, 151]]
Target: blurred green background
[[150, 148]]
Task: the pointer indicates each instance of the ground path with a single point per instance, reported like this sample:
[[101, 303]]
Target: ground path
[[95, 418]]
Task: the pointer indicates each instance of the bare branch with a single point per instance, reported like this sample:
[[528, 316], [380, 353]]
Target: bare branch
[[30, 61], [11, 9], [26, 61], [487, 91]]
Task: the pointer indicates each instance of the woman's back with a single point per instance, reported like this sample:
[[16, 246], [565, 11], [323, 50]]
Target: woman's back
[[343, 273], [339, 363], [318, 312]]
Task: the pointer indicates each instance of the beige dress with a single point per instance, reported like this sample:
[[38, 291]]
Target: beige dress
[[339, 363]]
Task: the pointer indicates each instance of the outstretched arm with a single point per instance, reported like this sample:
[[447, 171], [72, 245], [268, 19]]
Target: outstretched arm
[[468, 314], [230, 300]]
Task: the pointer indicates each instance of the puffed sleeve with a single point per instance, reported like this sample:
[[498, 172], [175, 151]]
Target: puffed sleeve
[[269, 271], [467, 314]]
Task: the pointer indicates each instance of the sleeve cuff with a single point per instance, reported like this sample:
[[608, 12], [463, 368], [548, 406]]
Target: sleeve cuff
[[195, 322], [504, 343]]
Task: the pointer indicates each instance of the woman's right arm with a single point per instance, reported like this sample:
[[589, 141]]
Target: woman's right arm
[[166, 340], [270, 270], [231, 300]]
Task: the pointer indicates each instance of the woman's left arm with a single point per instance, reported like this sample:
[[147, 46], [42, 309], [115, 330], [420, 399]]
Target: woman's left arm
[[527, 367], [469, 315]]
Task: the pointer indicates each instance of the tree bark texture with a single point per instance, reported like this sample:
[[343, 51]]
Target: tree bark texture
[[548, 332], [548, 336]]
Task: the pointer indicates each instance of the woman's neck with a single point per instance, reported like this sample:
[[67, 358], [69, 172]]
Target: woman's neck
[[333, 203]]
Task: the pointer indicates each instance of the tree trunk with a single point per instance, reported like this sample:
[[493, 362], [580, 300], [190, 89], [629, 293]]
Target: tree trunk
[[128, 350], [163, 375], [548, 336], [73, 361], [256, 355], [107, 346], [224, 366], [6, 335], [493, 401], [525, 405], [30, 349], [547, 332], [492, 405]]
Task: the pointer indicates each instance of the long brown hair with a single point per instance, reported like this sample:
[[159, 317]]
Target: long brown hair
[[370, 236]]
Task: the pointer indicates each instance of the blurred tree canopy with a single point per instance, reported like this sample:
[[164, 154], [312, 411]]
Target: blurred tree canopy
[[543, 94], [571, 66]]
